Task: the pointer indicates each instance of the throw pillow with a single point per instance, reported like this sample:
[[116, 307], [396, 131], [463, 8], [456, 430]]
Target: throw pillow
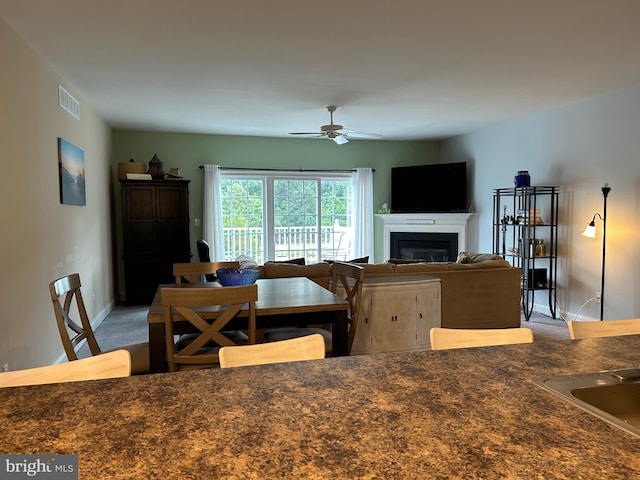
[[359, 260], [295, 261], [355, 260]]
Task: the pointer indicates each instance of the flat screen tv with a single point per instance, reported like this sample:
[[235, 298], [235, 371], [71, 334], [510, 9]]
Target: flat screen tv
[[435, 188]]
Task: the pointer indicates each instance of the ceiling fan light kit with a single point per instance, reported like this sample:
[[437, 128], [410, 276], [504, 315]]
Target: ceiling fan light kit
[[340, 139], [336, 132]]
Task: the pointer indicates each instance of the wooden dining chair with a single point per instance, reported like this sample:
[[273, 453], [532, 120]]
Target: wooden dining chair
[[66, 295], [448, 338], [194, 272], [193, 305], [346, 279], [108, 365], [605, 328], [309, 347]]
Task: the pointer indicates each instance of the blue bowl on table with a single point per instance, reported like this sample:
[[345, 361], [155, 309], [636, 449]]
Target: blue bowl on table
[[232, 277]]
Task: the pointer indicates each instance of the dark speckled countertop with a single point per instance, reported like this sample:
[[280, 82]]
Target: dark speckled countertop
[[468, 413]]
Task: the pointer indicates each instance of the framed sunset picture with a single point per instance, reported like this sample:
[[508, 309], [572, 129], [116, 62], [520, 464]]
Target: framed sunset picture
[[72, 178]]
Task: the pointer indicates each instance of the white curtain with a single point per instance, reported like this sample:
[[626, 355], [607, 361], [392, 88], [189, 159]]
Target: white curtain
[[212, 213], [363, 212]]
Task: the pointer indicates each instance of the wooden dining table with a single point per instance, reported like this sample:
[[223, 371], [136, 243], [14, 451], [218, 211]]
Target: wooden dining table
[[282, 302]]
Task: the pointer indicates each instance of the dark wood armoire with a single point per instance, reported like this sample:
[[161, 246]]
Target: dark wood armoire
[[155, 224]]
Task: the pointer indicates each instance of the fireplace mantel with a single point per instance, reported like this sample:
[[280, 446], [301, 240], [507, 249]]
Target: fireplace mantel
[[425, 223]]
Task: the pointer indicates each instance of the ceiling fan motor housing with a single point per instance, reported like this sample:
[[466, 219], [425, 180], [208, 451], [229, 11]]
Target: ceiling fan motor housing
[[331, 128]]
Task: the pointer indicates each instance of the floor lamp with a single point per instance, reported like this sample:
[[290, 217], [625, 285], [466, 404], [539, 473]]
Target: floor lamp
[[590, 232]]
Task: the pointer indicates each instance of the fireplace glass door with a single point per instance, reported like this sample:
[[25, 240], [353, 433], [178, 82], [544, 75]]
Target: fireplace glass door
[[427, 247]]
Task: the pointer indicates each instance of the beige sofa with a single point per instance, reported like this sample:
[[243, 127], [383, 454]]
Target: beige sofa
[[479, 294]]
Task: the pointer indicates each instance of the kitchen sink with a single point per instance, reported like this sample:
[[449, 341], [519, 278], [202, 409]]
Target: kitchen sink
[[613, 396]]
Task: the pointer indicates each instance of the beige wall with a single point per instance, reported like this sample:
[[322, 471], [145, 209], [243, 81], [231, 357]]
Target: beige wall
[[41, 239], [578, 147]]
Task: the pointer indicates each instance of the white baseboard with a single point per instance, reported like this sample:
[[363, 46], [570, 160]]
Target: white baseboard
[[562, 314]]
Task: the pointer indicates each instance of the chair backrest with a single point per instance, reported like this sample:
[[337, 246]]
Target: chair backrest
[[193, 272], [108, 365], [447, 338], [309, 347], [188, 304], [203, 251], [605, 328], [67, 301], [347, 278]]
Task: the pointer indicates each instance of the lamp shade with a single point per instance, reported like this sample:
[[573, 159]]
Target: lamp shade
[[590, 231]]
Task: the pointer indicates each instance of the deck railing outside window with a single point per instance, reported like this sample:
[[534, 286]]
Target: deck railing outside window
[[331, 243]]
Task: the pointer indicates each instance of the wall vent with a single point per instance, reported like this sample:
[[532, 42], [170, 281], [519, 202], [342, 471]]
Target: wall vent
[[68, 103]]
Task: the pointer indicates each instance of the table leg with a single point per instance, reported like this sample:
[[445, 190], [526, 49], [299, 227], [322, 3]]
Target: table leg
[[340, 334], [157, 348]]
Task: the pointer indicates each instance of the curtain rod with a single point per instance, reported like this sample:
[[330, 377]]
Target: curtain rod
[[201, 167]]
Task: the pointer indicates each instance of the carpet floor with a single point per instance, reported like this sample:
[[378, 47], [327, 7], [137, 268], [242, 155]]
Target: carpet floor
[[128, 324]]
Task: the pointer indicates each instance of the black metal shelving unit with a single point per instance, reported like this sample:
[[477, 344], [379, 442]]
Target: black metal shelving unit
[[525, 232]]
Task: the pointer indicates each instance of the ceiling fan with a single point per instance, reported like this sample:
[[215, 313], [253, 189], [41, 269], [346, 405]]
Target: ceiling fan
[[336, 132]]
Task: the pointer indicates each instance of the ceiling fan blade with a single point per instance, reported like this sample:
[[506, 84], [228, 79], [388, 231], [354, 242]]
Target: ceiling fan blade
[[309, 134], [337, 132], [355, 134]]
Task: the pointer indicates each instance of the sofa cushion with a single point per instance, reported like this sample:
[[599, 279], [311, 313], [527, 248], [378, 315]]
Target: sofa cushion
[[409, 268], [499, 262], [377, 268]]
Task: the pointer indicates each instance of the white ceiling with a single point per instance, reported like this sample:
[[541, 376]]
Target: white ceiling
[[408, 69]]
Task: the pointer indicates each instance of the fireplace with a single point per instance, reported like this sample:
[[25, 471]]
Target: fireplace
[[428, 247], [442, 227]]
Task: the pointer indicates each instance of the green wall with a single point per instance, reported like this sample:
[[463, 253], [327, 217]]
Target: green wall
[[189, 151]]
